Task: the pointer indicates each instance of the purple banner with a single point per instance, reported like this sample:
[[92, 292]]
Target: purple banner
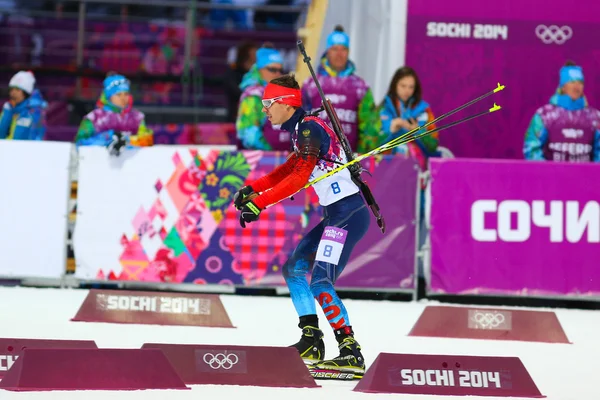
[[448, 375], [514, 227], [462, 49]]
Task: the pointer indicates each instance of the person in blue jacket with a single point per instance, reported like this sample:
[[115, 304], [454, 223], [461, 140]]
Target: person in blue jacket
[[23, 115], [404, 109]]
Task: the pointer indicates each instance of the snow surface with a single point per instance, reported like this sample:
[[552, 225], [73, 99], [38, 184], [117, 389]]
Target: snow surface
[[561, 371]]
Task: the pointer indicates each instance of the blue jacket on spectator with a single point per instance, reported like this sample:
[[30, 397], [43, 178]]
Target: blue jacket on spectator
[[25, 121], [421, 113]]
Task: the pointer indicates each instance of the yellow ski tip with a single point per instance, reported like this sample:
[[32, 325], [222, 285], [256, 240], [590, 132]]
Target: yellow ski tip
[[495, 108], [499, 88]]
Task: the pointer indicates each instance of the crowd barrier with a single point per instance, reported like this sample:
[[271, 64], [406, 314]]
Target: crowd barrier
[[164, 214], [34, 195], [514, 228], [162, 217]]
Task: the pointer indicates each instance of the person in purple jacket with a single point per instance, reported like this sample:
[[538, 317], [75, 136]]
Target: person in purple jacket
[[349, 93], [567, 129], [114, 124]]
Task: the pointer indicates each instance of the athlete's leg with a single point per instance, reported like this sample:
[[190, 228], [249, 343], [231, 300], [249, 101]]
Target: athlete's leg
[[325, 274], [311, 346], [295, 270]]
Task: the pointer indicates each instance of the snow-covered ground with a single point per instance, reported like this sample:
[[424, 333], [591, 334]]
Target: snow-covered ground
[[561, 371]]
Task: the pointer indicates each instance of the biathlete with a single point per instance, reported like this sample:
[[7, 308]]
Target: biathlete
[[315, 150]]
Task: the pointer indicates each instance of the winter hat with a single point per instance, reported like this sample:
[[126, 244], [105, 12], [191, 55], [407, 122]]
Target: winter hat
[[23, 80], [115, 84], [570, 73], [338, 37], [266, 56]]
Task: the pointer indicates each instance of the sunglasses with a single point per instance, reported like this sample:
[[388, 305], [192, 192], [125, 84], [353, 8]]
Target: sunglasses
[[267, 103], [274, 70]]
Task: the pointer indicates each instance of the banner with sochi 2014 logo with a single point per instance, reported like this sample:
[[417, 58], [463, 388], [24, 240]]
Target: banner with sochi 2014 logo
[[460, 49], [164, 214], [515, 227]]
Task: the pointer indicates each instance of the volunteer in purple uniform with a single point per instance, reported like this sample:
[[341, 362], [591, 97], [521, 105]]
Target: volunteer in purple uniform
[[567, 129], [315, 147], [114, 123], [349, 94]]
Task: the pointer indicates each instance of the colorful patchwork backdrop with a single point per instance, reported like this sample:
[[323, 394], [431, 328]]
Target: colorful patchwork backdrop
[[164, 214]]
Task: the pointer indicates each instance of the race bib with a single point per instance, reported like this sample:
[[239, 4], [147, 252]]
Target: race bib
[[331, 245]]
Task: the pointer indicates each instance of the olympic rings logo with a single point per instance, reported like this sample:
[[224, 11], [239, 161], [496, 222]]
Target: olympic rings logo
[[220, 360], [553, 33], [488, 320]]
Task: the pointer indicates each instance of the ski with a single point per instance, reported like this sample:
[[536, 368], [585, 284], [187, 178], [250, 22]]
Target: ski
[[332, 374], [342, 374]]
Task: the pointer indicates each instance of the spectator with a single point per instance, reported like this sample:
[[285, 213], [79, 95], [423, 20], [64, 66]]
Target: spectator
[[23, 115], [566, 129], [350, 94], [114, 123], [245, 59], [253, 129], [404, 109]]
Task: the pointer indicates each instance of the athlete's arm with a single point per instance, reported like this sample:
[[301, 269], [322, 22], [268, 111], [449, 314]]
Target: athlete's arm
[[302, 165], [275, 176]]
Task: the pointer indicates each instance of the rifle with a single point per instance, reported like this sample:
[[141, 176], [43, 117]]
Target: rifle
[[355, 169]]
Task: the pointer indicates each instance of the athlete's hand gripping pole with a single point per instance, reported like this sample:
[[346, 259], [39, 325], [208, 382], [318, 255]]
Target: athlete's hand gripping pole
[[354, 168]]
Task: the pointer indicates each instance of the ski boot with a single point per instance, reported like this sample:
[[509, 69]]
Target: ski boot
[[311, 346], [350, 359]]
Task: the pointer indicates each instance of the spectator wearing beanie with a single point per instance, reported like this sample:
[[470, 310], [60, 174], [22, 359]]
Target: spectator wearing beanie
[[349, 94], [114, 123], [23, 115], [566, 129]]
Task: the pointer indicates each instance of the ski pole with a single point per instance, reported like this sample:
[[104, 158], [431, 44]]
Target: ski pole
[[410, 135], [395, 142], [451, 112], [450, 125]]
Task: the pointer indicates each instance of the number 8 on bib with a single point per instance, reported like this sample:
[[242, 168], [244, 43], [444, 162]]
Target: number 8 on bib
[[331, 245]]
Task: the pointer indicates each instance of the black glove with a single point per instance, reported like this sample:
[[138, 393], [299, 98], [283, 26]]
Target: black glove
[[249, 212], [238, 197], [117, 143]]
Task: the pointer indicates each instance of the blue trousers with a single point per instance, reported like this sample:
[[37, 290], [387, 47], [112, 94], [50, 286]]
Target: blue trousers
[[351, 214]]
